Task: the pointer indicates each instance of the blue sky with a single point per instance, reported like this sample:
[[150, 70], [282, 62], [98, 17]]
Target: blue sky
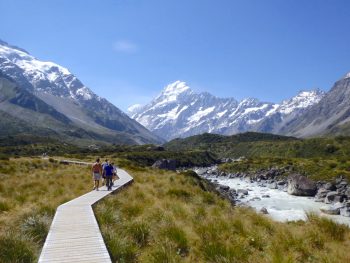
[[128, 50]]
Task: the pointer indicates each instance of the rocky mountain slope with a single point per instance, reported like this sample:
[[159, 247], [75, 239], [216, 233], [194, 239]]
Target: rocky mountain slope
[[330, 116], [48, 97], [180, 112]]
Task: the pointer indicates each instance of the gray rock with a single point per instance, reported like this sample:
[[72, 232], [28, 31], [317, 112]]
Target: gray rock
[[224, 188], [242, 191], [165, 164], [281, 183], [321, 193], [329, 186], [264, 210], [255, 199], [347, 192], [301, 186], [333, 197], [345, 211], [201, 171], [265, 196], [332, 209], [272, 185]]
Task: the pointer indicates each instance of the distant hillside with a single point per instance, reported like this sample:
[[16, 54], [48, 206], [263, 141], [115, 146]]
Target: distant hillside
[[263, 145]]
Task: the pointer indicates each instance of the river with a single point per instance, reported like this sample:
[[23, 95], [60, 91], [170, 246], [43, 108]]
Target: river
[[280, 205]]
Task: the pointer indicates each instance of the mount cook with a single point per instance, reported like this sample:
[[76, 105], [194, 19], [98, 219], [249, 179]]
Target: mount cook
[[180, 112]]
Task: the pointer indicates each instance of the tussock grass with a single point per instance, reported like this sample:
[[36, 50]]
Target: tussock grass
[[172, 217], [31, 190]]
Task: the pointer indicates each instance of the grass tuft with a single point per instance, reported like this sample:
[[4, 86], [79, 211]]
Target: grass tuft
[[15, 249]]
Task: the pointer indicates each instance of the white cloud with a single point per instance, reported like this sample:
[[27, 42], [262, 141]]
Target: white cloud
[[125, 46]]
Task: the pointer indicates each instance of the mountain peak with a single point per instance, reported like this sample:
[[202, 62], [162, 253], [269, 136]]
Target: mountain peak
[[175, 88], [347, 75]]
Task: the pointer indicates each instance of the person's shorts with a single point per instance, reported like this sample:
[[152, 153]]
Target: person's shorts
[[97, 176]]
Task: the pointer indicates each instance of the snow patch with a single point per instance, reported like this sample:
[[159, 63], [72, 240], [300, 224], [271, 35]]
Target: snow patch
[[200, 114], [220, 114]]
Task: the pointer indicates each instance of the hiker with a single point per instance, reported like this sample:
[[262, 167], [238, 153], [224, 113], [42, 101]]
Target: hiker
[[108, 171], [103, 172], [115, 175], [96, 173]]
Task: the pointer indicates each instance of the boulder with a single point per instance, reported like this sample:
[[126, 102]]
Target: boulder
[[224, 188], [301, 185], [281, 183], [332, 209], [201, 171], [255, 199], [242, 191], [329, 186], [166, 164], [272, 185], [264, 210], [265, 196], [333, 197], [345, 211]]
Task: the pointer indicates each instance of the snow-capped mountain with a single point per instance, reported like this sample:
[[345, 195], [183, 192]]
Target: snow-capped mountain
[[180, 112], [56, 87], [330, 116]]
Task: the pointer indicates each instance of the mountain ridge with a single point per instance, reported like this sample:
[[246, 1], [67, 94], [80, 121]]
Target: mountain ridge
[[181, 112], [63, 92]]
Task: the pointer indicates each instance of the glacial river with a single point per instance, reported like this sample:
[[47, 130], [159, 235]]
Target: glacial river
[[280, 205]]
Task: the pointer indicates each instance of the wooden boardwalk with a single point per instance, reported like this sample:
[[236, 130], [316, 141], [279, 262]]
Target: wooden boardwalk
[[74, 235]]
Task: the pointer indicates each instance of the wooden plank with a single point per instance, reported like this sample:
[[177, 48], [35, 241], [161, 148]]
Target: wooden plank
[[74, 235]]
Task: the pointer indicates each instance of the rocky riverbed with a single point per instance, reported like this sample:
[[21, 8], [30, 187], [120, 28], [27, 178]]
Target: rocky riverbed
[[284, 198]]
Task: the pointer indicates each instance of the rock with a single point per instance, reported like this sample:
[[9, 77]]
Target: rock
[[242, 191], [345, 211], [255, 199], [272, 185], [332, 209], [265, 196], [329, 186], [264, 210], [281, 183], [347, 192], [333, 197], [339, 179], [224, 188], [301, 186], [319, 200], [165, 164], [201, 171]]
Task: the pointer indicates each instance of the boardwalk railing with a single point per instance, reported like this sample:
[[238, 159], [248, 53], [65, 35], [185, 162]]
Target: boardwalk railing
[[74, 235]]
